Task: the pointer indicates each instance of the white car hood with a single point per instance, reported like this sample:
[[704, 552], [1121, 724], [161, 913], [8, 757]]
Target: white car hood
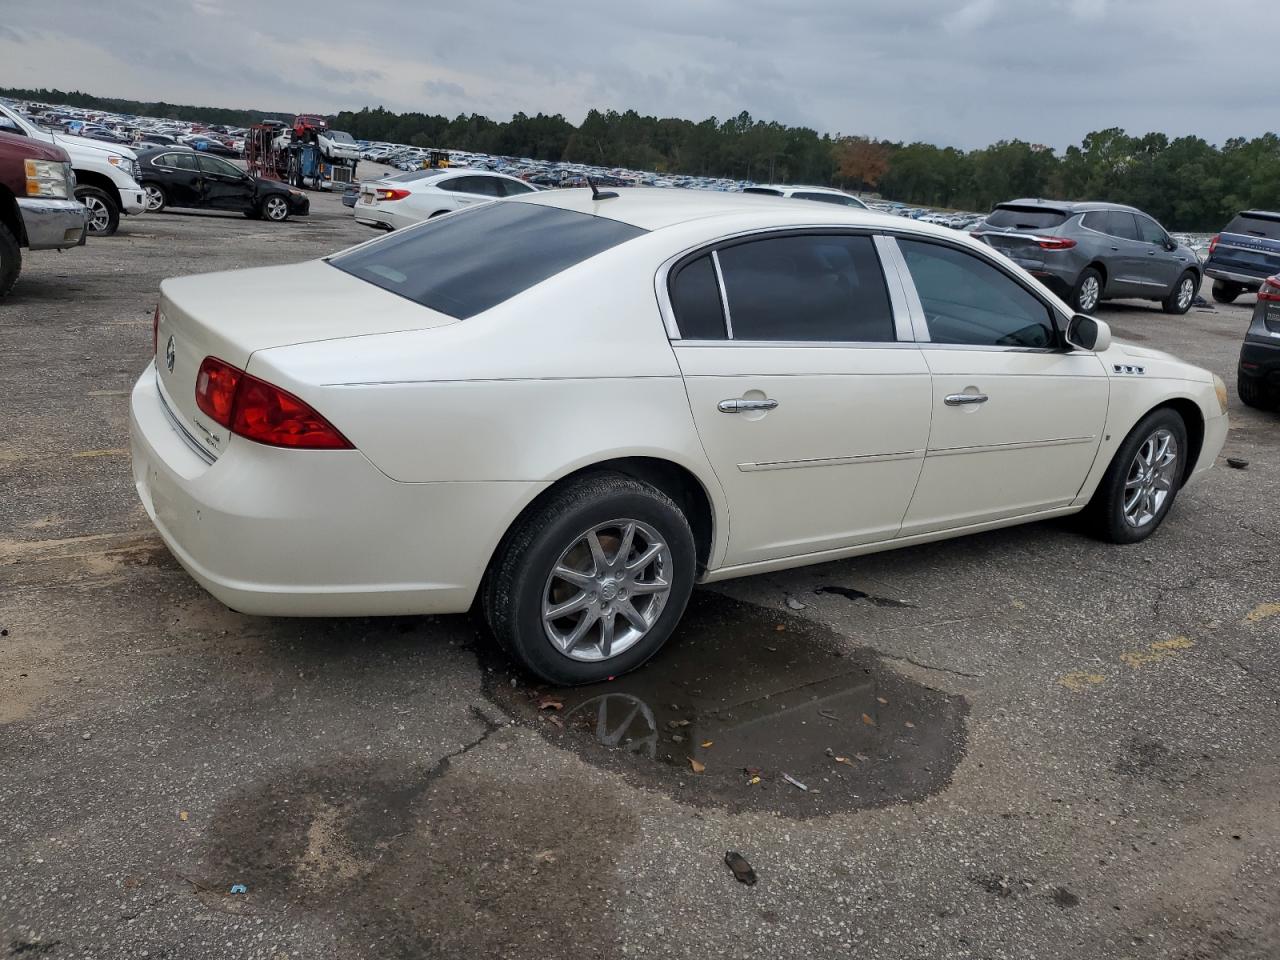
[[73, 143], [1144, 353]]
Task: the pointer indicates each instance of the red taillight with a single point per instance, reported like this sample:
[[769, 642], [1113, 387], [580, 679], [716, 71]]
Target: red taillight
[[1213, 243], [1270, 291], [260, 411], [392, 194], [216, 385], [1055, 243], [155, 331]]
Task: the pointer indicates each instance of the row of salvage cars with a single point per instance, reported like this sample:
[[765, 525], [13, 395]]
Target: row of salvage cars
[[565, 408]]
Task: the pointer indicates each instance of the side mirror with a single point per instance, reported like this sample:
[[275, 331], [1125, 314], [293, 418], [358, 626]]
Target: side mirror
[[1088, 333], [1170, 244]]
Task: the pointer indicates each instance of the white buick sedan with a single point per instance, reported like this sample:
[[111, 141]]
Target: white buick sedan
[[566, 411]]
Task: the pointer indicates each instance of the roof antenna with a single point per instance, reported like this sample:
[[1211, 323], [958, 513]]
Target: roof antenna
[[595, 191]]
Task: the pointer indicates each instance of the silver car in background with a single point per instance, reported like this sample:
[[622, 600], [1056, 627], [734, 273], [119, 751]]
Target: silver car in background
[[1087, 252]]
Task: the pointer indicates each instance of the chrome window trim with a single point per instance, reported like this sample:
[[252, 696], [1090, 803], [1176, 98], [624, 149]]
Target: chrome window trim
[[662, 293], [724, 295], [913, 327], [822, 344]]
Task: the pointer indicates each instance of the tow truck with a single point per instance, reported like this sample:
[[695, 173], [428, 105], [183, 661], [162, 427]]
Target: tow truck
[[307, 154]]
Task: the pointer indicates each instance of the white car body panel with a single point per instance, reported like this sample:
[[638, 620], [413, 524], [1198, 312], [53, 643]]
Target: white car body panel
[[459, 424], [426, 198]]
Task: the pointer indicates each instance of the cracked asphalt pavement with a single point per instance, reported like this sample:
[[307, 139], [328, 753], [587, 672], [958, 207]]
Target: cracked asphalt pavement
[[1038, 746]]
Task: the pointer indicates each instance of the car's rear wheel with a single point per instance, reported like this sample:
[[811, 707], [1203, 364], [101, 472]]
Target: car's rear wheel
[[1224, 291], [592, 582], [10, 260], [1253, 393], [275, 208], [1087, 293], [156, 198], [1139, 487], [104, 215], [1182, 295]]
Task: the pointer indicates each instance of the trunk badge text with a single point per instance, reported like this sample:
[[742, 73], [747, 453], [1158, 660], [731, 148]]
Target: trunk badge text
[[170, 354]]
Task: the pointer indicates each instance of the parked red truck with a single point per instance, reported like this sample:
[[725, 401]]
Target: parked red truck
[[38, 209]]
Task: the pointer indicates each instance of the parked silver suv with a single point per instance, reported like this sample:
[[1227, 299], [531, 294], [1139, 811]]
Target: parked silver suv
[[1090, 252]]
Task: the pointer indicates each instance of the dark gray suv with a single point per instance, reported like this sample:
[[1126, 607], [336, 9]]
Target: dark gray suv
[[1089, 252]]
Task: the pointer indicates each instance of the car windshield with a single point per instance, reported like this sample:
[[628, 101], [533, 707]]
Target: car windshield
[[339, 136], [1026, 218], [464, 264], [1256, 224]]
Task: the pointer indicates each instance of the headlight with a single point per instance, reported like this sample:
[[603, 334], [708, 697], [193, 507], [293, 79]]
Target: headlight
[[1220, 388], [48, 178], [125, 164]]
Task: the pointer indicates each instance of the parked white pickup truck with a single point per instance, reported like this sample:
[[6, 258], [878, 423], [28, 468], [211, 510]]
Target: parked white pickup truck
[[105, 173]]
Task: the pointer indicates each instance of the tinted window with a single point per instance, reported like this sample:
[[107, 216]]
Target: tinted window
[[806, 288], [1120, 224], [482, 186], [967, 300], [764, 190], [1151, 232], [466, 263], [695, 299], [513, 188], [1026, 218], [831, 198], [220, 167], [184, 160], [1255, 224]]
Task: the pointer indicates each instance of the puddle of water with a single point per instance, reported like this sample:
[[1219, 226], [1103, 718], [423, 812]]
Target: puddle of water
[[744, 692]]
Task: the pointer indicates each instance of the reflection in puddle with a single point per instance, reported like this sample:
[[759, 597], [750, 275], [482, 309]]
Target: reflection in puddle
[[743, 698]]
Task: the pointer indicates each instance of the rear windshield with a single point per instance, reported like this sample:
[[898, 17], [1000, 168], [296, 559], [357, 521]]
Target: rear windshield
[[765, 190], [1256, 223], [466, 263], [1026, 218]]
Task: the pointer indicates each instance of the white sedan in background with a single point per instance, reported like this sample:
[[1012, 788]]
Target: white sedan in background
[[820, 194], [572, 409], [418, 195]]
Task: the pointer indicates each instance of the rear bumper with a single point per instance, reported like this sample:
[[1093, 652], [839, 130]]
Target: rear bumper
[[313, 533], [1252, 281], [53, 224], [1260, 361], [375, 216]]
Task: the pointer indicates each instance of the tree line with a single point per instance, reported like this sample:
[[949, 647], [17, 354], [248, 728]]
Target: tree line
[[1186, 182]]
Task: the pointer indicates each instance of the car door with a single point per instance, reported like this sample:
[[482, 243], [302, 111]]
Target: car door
[[180, 177], [1016, 419], [226, 186], [810, 400], [1128, 261], [1161, 266]]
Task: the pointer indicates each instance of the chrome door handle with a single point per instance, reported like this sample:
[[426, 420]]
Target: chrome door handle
[[963, 399], [738, 406]]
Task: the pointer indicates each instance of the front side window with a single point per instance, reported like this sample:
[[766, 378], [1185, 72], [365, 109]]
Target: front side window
[[219, 167], [807, 288], [464, 264], [514, 188], [1151, 232], [969, 301]]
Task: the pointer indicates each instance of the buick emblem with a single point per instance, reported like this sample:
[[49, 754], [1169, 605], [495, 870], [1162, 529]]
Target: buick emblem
[[170, 354]]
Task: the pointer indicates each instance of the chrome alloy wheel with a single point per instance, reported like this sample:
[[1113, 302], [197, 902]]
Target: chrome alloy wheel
[[154, 197], [99, 215], [607, 590], [276, 208], [1186, 291], [1151, 478], [1090, 291]]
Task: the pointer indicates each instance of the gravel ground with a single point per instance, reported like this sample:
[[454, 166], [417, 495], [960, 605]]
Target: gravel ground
[[1087, 763]]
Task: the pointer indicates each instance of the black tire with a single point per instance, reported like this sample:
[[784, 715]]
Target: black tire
[[105, 212], [1082, 289], [1254, 393], [1224, 291], [253, 213], [1173, 302], [274, 208], [10, 260], [512, 596], [157, 199], [1106, 509]]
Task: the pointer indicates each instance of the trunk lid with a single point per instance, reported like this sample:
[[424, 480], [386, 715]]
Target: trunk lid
[[232, 315], [1015, 229]]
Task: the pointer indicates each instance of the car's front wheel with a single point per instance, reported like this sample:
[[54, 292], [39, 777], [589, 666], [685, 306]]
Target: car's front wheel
[[104, 215], [1139, 487], [1087, 293], [155, 197], [1224, 291], [275, 208], [593, 581], [1182, 295]]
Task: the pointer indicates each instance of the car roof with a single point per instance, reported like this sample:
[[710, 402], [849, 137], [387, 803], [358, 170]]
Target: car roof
[[1069, 206], [653, 208]]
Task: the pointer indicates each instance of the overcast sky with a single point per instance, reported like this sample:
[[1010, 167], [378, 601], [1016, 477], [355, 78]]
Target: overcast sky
[[958, 72]]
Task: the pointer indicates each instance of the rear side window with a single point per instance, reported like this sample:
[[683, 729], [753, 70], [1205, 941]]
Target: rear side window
[[1026, 218], [1255, 224], [766, 191], [184, 160], [466, 263], [967, 300], [1114, 223], [513, 188], [695, 300], [806, 288]]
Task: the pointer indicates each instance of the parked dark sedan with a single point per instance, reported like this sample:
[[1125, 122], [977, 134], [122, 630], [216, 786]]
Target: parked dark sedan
[[1258, 377], [184, 178]]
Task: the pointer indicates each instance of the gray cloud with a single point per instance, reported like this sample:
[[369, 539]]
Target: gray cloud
[[962, 72]]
